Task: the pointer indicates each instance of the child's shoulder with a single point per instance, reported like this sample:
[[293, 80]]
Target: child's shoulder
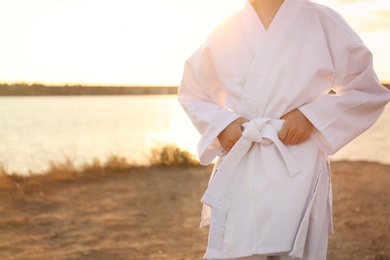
[[330, 17]]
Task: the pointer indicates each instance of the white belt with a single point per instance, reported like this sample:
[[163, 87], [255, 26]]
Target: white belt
[[219, 193]]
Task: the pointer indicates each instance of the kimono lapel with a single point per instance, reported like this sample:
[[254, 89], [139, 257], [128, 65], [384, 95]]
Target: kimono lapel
[[253, 28], [265, 44]]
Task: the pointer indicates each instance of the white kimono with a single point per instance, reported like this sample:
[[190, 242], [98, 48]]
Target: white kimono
[[262, 194]]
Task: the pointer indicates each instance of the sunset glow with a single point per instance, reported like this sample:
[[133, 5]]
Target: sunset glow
[[136, 42]]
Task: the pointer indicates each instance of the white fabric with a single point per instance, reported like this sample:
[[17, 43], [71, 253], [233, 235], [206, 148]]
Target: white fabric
[[265, 197], [255, 257]]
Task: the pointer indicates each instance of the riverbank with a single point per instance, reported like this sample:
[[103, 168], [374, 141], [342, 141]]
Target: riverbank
[[142, 213]]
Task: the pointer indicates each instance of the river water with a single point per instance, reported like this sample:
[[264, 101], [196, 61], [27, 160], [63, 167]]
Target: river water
[[35, 130]]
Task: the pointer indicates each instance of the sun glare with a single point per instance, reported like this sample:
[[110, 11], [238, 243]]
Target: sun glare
[[107, 42], [124, 42]]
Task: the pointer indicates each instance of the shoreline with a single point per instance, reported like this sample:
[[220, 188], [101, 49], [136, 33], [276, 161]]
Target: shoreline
[[166, 155]]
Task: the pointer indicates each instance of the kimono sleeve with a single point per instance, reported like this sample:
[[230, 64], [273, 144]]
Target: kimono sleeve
[[359, 101], [202, 97]]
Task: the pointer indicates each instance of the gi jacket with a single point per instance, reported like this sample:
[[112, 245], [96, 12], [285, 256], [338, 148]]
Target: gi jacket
[[262, 192]]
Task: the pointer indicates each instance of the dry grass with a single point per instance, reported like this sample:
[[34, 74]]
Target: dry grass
[[66, 170], [170, 155]]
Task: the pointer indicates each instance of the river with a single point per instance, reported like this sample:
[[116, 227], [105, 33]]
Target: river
[[36, 130]]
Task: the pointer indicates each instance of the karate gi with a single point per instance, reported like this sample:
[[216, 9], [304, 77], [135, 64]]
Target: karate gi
[[265, 197]]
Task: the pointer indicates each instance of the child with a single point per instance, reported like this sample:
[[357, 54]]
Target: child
[[258, 92]]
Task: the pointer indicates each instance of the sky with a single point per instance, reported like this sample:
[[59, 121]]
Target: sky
[[137, 42]]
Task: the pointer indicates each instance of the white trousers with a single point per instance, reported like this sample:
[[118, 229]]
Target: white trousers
[[260, 257], [312, 251], [318, 232]]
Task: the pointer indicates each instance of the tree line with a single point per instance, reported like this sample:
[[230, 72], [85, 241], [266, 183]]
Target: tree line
[[43, 90]]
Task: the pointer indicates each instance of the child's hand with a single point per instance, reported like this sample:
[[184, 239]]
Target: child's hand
[[230, 135], [296, 128]]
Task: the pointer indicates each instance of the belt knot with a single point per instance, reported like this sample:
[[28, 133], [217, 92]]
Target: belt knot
[[253, 131]]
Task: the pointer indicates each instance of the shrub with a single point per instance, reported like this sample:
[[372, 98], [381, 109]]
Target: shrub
[[117, 163], [171, 155]]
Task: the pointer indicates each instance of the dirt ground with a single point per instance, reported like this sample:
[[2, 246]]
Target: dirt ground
[[154, 214]]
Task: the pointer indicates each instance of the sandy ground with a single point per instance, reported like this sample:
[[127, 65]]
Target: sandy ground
[[154, 214]]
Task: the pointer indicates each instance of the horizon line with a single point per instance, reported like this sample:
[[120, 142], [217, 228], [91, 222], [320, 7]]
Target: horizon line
[[385, 84]]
